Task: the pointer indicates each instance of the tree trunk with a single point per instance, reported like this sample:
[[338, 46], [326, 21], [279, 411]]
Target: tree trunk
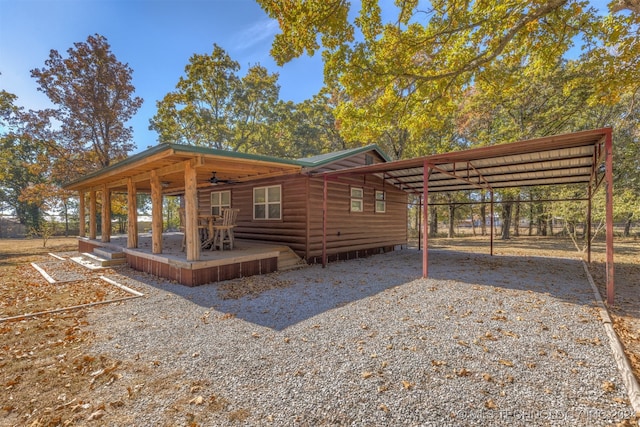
[[473, 223], [530, 218], [483, 216], [506, 220], [516, 219], [627, 226], [452, 213], [433, 224]]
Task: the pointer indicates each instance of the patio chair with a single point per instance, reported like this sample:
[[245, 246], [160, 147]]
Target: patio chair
[[223, 232]]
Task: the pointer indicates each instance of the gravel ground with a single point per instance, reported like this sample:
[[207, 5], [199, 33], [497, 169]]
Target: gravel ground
[[484, 341]]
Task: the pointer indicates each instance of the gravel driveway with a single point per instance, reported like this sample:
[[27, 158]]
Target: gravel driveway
[[484, 341]]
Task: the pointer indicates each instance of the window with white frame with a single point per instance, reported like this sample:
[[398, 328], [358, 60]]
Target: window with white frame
[[381, 202], [267, 202], [356, 199], [220, 200]]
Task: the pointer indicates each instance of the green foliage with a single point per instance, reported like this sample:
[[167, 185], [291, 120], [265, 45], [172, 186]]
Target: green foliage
[[212, 106], [44, 230]]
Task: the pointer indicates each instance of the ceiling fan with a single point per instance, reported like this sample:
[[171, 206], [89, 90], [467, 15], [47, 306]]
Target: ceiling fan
[[214, 180]]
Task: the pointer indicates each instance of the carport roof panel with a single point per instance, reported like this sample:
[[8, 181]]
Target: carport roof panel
[[561, 159]]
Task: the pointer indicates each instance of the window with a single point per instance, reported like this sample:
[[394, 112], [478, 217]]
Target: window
[[267, 202], [356, 199], [219, 201], [381, 203]]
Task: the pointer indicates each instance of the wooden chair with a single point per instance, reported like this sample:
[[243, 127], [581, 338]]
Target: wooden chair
[[223, 232]]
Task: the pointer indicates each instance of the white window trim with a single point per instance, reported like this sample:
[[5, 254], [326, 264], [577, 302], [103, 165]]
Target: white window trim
[[221, 206], [382, 201], [359, 199], [267, 203]]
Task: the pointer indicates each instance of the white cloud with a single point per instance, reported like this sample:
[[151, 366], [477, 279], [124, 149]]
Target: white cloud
[[260, 31]]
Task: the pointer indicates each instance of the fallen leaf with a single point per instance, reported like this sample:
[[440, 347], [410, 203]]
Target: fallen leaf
[[490, 404], [463, 372], [487, 377], [96, 415], [505, 362], [383, 407], [197, 400], [366, 374], [407, 385], [608, 386]]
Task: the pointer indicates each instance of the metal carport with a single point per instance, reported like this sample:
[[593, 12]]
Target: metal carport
[[575, 158]]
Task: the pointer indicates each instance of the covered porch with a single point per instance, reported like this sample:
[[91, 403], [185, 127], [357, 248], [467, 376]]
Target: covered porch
[[174, 170]]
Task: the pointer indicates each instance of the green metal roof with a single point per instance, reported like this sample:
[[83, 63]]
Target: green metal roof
[[323, 159], [184, 149], [178, 149]]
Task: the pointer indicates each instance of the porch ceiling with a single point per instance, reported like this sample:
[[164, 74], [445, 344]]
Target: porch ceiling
[[169, 161], [561, 159]]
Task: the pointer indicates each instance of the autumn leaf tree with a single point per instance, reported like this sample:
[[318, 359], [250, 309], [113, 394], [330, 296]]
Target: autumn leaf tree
[[18, 153], [409, 71], [86, 129], [93, 95]]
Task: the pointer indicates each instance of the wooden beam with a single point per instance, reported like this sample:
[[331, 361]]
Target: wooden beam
[[82, 214], [589, 220], [191, 213], [608, 173], [93, 215], [324, 221], [132, 206], [156, 214], [106, 214]]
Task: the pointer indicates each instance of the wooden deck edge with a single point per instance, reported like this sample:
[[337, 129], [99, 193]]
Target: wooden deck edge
[[197, 265]]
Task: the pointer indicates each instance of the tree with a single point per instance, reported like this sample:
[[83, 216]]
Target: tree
[[198, 112], [21, 156], [407, 74], [213, 107], [93, 95]]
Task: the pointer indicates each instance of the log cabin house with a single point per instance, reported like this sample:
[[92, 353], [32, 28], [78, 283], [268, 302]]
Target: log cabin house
[[280, 201]]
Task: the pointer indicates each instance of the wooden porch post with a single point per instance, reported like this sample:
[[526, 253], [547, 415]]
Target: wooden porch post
[[106, 214], [425, 222], [93, 212], [132, 206], [156, 214], [589, 195], [81, 214], [191, 213], [608, 174], [324, 223]]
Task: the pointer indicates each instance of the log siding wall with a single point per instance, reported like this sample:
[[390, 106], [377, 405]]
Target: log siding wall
[[301, 225]]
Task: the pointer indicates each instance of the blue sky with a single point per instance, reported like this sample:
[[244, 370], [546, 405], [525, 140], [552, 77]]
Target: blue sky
[[155, 37]]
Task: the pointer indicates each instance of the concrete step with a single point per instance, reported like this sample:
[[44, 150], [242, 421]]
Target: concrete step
[[289, 260], [107, 253], [92, 258]]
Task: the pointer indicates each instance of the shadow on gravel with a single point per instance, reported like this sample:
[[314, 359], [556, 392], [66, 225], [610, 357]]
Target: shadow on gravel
[[303, 294]]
